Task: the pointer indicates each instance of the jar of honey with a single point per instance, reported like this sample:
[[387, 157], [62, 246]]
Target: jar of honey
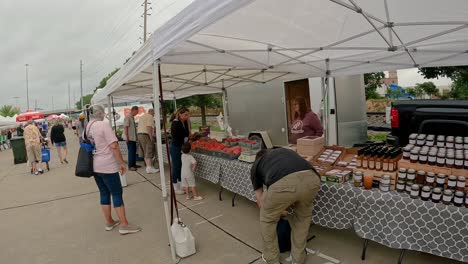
[[461, 183], [426, 193], [458, 199], [447, 197], [436, 195], [440, 180], [452, 182]]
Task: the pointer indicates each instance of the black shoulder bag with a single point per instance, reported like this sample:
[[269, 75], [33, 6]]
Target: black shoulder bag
[[84, 164]]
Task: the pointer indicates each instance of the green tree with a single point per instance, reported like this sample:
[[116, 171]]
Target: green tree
[[428, 88], [410, 91], [9, 111], [201, 101], [395, 93], [206, 101], [458, 74], [104, 80], [86, 100], [372, 81]]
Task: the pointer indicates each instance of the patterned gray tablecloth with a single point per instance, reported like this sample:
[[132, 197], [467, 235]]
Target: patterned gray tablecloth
[[335, 206], [401, 222], [208, 168], [391, 219], [235, 177]]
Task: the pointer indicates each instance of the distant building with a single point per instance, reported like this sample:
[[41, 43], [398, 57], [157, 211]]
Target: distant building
[[391, 79]]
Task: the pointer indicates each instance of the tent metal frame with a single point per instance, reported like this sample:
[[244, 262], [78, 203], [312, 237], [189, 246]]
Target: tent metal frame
[[386, 28]]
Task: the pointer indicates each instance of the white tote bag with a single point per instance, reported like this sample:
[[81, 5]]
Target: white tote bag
[[183, 239]]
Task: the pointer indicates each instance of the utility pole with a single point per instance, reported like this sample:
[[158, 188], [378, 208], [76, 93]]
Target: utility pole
[[53, 103], [81, 83], [35, 105], [69, 104], [27, 87], [145, 19]]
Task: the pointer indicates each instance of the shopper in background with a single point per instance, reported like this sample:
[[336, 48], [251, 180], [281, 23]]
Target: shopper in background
[[145, 139], [130, 133], [108, 162], [19, 131], [180, 131], [9, 138], [80, 124], [57, 138], [32, 140], [189, 164], [290, 182], [305, 123]]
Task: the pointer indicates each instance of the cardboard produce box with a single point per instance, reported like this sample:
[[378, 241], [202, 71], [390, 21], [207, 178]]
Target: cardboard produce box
[[310, 146], [336, 175], [317, 160]]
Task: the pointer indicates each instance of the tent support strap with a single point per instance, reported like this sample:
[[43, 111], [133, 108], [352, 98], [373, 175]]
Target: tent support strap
[[157, 111]]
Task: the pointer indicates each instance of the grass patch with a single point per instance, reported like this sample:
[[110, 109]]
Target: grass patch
[[377, 137]]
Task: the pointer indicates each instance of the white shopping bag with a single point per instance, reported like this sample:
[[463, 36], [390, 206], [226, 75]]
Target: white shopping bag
[[123, 179], [183, 239]]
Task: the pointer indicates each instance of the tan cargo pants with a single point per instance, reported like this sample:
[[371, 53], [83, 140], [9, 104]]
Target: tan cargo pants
[[298, 189]]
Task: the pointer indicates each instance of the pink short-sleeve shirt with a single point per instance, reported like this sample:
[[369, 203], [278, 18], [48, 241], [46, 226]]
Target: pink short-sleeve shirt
[[102, 135]]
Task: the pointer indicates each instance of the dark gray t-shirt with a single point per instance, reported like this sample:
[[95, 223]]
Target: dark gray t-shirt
[[274, 165]]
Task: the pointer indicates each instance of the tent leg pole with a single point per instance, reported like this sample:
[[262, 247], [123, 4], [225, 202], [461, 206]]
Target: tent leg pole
[[165, 197], [113, 115], [225, 108], [326, 111], [109, 109]]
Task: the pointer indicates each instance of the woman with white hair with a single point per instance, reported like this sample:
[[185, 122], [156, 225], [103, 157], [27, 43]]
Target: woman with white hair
[[108, 162], [57, 137]]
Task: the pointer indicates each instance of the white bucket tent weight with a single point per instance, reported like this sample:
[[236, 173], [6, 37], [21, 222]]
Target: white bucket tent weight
[[216, 45]]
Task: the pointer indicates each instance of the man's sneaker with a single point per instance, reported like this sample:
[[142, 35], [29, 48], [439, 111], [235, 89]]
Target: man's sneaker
[[123, 230], [36, 173], [150, 170], [40, 171], [197, 198], [132, 169], [264, 260], [109, 227]]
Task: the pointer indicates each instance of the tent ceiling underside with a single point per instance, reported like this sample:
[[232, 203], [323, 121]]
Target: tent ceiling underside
[[258, 44]]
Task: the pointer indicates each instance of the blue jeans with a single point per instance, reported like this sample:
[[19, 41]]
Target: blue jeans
[[109, 185], [176, 159], [131, 146], [61, 144]]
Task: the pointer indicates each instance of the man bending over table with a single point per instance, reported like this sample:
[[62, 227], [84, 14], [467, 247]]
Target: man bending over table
[[290, 182]]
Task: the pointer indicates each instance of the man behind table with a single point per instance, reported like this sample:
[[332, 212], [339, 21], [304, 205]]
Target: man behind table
[[145, 139], [290, 181], [131, 138]]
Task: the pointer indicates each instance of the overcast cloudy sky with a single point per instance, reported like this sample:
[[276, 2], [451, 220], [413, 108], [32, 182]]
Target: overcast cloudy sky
[[53, 35]]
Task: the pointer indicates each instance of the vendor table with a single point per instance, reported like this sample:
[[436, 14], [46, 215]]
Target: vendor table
[[392, 219], [398, 221]]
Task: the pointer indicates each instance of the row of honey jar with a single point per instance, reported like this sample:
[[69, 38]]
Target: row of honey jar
[[435, 194], [439, 141], [431, 179]]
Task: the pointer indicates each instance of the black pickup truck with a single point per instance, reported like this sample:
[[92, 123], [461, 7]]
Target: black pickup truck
[[437, 117]]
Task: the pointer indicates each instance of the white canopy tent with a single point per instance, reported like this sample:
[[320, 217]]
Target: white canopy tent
[[213, 45]]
